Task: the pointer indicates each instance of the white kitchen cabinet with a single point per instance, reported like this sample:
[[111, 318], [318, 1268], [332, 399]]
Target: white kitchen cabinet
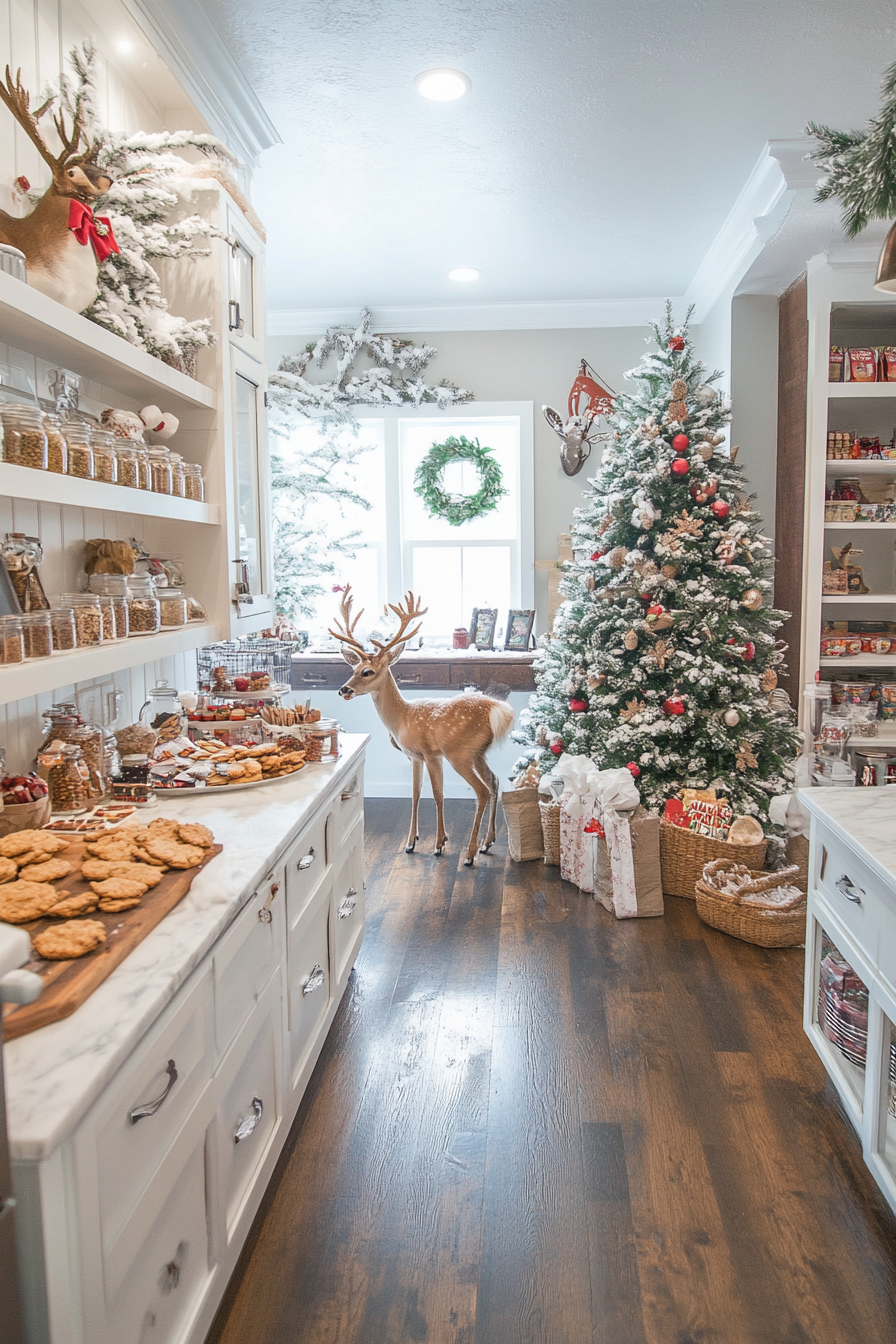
[[131, 1226]]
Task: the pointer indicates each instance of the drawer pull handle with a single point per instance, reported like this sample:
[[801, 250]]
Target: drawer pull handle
[[150, 1107], [314, 981], [350, 793], [170, 1276], [313, 680], [306, 862], [249, 1123], [347, 904], [264, 913], [409, 680], [847, 888]]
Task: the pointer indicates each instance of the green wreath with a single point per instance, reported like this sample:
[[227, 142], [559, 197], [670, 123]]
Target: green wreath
[[457, 509]]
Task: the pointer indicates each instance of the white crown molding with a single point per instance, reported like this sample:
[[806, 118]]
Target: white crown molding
[[536, 316], [185, 37]]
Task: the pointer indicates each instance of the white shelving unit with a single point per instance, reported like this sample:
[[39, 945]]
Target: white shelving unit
[[25, 483], [845, 309], [63, 669]]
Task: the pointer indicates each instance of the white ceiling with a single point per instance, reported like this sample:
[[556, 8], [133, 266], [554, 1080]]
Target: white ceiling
[[596, 157]]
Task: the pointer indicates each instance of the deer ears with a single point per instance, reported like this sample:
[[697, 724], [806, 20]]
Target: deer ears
[[351, 656]]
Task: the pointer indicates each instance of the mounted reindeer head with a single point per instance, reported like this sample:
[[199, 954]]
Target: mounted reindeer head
[[576, 432], [74, 174], [370, 668]]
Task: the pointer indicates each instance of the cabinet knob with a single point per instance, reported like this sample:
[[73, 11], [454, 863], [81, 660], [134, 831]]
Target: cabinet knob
[[314, 981], [313, 680], [347, 904], [351, 792], [848, 888], [150, 1107], [170, 1275], [307, 861], [249, 1123]]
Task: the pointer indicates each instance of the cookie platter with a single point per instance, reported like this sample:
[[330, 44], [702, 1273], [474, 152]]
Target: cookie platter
[[201, 787], [97, 917]]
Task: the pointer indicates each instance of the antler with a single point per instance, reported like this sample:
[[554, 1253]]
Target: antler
[[18, 100], [407, 611], [348, 625]]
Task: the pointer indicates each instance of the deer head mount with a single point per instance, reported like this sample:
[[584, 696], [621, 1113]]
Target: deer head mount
[[62, 241], [588, 400]]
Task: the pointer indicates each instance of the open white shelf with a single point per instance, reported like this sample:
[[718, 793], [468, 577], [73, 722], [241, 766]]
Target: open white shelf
[[869, 466], [886, 660], [858, 597], [48, 486], [853, 390], [63, 669], [42, 326]]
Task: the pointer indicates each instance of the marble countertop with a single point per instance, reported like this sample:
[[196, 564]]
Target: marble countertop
[[54, 1075], [864, 819]]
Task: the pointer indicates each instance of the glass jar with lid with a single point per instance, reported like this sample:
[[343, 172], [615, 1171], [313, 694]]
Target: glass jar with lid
[[194, 485], [60, 722], [57, 448], [144, 613], [62, 623], [113, 588], [105, 460], [160, 469], [67, 775], [21, 556], [38, 634], [92, 741], [134, 784], [12, 643], [24, 439], [178, 487], [80, 452], [163, 711], [144, 468], [173, 603], [88, 617], [128, 464], [107, 612]]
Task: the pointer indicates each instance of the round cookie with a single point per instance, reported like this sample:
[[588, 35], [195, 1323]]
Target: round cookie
[[174, 854], [21, 902], [84, 903], [111, 907], [21, 841], [8, 870], [194, 833], [119, 888], [64, 942], [49, 871]]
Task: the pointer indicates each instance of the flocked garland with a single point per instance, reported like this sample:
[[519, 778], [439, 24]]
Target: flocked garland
[[457, 509]]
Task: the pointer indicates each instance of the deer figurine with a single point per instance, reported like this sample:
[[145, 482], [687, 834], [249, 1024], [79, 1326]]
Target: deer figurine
[[460, 730], [63, 242]]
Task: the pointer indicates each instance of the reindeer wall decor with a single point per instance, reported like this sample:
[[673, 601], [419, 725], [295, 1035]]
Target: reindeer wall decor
[[587, 401], [460, 730], [63, 242]]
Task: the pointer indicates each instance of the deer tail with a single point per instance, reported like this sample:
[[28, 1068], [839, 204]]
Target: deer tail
[[500, 718]]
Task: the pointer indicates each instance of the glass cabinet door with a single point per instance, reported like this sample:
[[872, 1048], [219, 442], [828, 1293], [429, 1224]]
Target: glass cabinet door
[[248, 493], [841, 1014], [886, 1141], [242, 290]]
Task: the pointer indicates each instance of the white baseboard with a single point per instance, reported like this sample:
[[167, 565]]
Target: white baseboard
[[388, 789]]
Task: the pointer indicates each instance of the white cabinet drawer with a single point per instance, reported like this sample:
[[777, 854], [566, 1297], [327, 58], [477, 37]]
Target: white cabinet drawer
[[122, 1144], [348, 806], [247, 956], [309, 977], [849, 888], [347, 912], [163, 1286], [306, 863], [248, 1110]]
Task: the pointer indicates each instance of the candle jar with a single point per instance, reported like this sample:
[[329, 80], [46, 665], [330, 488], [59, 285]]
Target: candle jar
[[178, 486], [105, 461], [144, 613], [160, 469], [12, 643], [57, 448], [173, 606], [88, 617], [24, 439], [62, 623], [80, 452], [194, 485], [128, 465], [37, 633]]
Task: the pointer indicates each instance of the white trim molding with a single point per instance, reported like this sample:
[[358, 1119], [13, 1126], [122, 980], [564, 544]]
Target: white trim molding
[[185, 37]]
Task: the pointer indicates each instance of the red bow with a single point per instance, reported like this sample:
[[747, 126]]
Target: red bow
[[93, 229]]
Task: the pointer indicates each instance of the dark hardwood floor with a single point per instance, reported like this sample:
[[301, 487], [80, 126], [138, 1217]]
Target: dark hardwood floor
[[532, 1124]]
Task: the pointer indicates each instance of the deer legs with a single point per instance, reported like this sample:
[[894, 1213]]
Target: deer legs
[[434, 769], [413, 837], [483, 791], [490, 779]]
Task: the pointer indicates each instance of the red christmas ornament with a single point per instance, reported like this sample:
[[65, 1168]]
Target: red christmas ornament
[[22, 183], [749, 651], [635, 769], [597, 555], [578, 706], [680, 467], [681, 443], [721, 509], [676, 343], [557, 748], [674, 705], [593, 827]]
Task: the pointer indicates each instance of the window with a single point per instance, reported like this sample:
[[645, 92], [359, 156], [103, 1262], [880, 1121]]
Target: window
[[485, 563]]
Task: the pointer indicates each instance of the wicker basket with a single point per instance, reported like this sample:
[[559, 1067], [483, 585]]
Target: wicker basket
[[762, 922], [550, 829], [797, 851], [683, 855], [24, 816], [524, 838]]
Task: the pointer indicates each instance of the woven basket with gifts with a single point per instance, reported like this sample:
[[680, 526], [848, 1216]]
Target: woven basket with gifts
[[696, 828], [757, 907]]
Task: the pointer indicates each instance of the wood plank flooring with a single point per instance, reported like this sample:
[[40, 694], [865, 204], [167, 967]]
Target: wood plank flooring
[[532, 1124]]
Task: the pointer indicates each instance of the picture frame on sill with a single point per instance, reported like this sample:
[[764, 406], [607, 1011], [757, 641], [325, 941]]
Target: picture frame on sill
[[482, 627], [519, 630]]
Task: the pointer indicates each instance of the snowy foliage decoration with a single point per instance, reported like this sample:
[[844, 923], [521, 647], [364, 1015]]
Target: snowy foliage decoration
[[150, 182], [654, 634], [861, 165]]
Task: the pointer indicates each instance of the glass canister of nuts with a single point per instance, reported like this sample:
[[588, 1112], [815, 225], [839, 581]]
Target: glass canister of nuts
[[173, 605], [160, 469], [24, 440], [37, 632], [80, 452], [88, 617], [128, 464], [113, 589], [144, 612], [62, 623], [178, 486], [194, 485], [67, 775], [105, 459], [12, 643], [57, 448], [143, 467]]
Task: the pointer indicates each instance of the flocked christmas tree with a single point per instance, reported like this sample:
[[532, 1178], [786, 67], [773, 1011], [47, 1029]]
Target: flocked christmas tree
[[663, 656], [860, 166]]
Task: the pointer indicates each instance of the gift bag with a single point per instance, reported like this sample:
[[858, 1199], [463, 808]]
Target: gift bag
[[587, 794], [576, 864], [626, 857]]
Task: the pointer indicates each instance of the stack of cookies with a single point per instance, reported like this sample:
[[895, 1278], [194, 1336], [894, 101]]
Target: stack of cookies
[[29, 864], [219, 765]]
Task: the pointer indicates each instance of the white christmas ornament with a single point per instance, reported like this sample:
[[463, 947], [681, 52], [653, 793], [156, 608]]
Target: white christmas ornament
[[731, 717]]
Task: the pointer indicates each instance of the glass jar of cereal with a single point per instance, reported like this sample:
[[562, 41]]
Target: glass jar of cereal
[[105, 460], [38, 634], [194, 485], [24, 440], [80, 453], [57, 448], [144, 612], [12, 644], [88, 617], [160, 469]]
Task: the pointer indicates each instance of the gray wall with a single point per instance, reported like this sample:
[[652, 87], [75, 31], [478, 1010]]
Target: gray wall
[[754, 395]]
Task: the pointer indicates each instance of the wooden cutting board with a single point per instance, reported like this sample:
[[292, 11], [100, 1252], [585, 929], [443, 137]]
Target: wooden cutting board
[[68, 983]]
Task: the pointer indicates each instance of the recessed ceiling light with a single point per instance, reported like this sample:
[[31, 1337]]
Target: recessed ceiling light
[[442, 86], [124, 46], [464, 274]]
